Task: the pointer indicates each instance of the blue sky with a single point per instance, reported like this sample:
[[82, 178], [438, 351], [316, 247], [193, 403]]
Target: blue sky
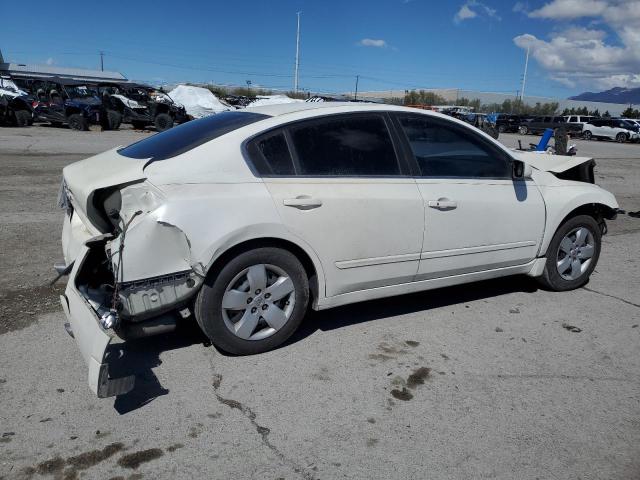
[[391, 44]]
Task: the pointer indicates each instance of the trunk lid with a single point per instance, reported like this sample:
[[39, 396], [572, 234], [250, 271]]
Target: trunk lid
[[109, 169]]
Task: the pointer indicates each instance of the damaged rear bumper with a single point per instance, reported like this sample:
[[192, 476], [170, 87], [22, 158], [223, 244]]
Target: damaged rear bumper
[[92, 340]]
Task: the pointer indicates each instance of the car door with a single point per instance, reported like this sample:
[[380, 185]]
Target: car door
[[476, 216], [339, 185]]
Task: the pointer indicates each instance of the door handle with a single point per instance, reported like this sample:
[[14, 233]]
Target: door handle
[[443, 204], [302, 202]]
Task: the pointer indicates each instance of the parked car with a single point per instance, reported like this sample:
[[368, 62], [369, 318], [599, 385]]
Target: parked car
[[142, 105], [507, 123], [245, 218], [538, 125], [579, 119], [613, 129], [15, 104]]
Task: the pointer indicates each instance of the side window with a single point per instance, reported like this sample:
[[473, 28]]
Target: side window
[[353, 145], [270, 154], [573, 119], [447, 150]]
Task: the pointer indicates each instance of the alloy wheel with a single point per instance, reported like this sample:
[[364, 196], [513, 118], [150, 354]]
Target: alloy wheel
[[574, 253], [258, 302]]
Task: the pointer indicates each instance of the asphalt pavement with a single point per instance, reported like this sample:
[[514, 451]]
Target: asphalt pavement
[[477, 381]]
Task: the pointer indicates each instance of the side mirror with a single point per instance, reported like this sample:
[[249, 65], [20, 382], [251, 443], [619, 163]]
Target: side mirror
[[521, 170]]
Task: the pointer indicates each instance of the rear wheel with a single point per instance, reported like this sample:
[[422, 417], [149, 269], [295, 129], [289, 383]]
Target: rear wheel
[[523, 130], [77, 122], [621, 138], [255, 302], [23, 117], [163, 122], [572, 254], [587, 135]]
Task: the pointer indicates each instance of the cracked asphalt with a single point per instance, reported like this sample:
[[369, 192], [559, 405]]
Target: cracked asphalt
[[496, 379]]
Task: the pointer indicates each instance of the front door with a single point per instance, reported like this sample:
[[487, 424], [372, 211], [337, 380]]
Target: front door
[[339, 185], [476, 217]]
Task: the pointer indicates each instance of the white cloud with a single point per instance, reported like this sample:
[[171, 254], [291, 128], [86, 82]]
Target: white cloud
[[472, 9], [569, 9], [586, 56], [372, 42], [521, 7]]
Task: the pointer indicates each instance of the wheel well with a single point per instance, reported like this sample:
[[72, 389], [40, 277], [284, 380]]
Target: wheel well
[[598, 211], [300, 254]]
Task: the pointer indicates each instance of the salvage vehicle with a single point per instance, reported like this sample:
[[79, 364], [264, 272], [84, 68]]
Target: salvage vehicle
[[537, 125], [142, 105], [245, 219], [66, 102], [507, 123], [15, 104], [611, 129]]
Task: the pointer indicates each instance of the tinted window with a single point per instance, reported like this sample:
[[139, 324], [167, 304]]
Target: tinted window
[[187, 136], [446, 150], [573, 119], [270, 155], [345, 146]]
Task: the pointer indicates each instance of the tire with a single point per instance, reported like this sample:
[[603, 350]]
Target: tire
[[502, 128], [220, 324], [163, 121], [77, 122], [560, 274], [112, 121], [523, 130], [23, 117], [138, 125], [621, 137], [587, 135]]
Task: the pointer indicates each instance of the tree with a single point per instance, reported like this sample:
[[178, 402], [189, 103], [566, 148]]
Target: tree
[[631, 113], [606, 114]]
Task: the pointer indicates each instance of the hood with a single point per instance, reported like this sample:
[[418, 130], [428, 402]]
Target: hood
[[549, 163], [101, 172]]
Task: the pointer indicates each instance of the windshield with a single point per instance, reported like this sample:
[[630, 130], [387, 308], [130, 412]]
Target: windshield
[[79, 91], [188, 136]]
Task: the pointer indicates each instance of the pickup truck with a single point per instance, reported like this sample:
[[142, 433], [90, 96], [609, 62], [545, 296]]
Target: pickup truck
[[537, 125]]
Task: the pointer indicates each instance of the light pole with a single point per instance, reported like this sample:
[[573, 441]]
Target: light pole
[[295, 79], [248, 88], [355, 97]]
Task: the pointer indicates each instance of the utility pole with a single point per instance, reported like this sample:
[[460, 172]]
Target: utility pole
[[102, 61], [355, 97], [248, 88], [295, 80], [524, 77]]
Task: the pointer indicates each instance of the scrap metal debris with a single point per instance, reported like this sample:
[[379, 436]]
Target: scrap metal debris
[[571, 328]]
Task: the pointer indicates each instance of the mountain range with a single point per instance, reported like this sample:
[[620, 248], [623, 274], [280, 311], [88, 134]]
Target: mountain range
[[615, 95]]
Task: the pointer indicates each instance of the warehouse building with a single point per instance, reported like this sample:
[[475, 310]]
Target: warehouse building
[[21, 70]]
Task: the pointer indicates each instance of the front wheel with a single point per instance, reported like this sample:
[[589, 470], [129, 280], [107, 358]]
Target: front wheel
[[587, 135], [621, 138], [523, 130], [572, 254], [255, 302]]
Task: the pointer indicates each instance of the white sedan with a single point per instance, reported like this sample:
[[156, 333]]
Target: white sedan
[[246, 219]]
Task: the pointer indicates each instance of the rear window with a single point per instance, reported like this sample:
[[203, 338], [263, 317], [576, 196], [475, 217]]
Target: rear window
[[189, 135]]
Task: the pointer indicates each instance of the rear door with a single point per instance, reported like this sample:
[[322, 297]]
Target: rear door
[[340, 186], [476, 217]]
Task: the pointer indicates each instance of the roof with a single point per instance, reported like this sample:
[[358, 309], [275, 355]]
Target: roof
[[35, 70], [286, 108]]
